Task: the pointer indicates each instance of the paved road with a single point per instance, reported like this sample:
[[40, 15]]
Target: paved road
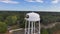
[[17, 31], [50, 25]]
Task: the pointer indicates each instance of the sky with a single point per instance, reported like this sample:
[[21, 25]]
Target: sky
[[30, 5]]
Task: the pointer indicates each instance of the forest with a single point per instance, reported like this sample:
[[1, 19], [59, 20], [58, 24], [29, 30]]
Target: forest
[[11, 18]]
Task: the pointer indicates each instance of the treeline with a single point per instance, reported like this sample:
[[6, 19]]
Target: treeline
[[46, 17]]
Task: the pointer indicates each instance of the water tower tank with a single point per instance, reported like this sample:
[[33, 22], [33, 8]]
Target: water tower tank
[[32, 17]]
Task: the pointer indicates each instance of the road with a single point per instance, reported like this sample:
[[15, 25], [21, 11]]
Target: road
[[21, 30], [50, 25], [17, 31]]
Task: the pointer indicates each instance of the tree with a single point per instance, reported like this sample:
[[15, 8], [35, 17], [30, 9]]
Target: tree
[[1, 18], [11, 20], [22, 21], [50, 31], [3, 27], [44, 31]]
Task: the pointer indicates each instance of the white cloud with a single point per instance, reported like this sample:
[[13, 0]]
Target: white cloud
[[29, 0], [55, 1], [34, 1], [9, 1], [39, 1]]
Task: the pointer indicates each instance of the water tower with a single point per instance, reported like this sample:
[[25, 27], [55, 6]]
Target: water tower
[[31, 19]]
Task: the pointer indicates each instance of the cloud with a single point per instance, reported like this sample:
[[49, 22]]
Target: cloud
[[35, 1], [39, 1], [29, 0], [9, 1], [55, 1]]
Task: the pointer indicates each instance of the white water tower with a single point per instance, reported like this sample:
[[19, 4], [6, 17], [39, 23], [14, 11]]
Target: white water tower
[[30, 26]]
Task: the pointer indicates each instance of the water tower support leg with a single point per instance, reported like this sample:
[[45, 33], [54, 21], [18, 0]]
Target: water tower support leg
[[29, 27], [25, 27], [32, 28], [39, 27]]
